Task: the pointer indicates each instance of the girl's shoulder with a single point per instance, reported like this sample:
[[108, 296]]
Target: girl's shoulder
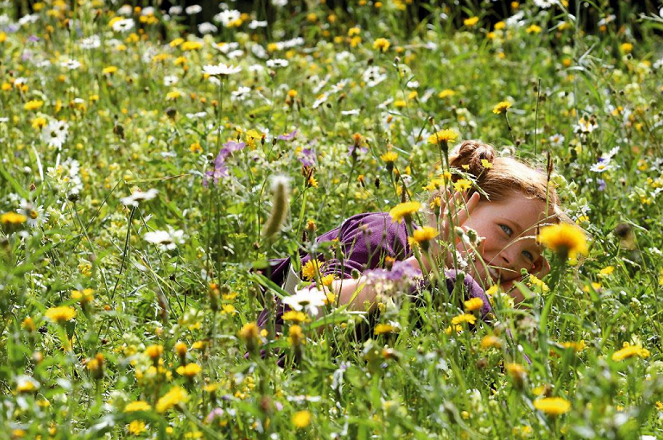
[[376, 230]]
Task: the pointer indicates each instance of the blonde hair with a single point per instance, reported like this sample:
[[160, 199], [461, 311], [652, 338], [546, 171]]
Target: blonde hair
[[504, 176]]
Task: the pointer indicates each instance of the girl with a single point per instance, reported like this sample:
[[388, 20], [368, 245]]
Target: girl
[[506, 206]]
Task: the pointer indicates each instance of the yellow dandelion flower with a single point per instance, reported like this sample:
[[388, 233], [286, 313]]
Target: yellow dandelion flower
[[469, 22], [446, 93], [389, 157], [502, 107], [136, 427], [538, 283], [553, 406], [39, 122], [606, 271], [381, 44], [249, 333], [424, 234], [189, 370], [85, 297], [465, 317], [489, 341], [381, 329], [191, 45], [154, 351], [626, 47], [517, 373], [473, 304], [453, 329], [33, 105], [180, 348], [61, 314], [173, 95], [404, 211], [576, 346], [462, 185], [13, 218], [301, 419], [172, 398], [228, 309], [442, 137], [109, 70], [310, 269], [564, 239], [296, 335], [533, 29], [295, 316], [630, 351], [138, 405]]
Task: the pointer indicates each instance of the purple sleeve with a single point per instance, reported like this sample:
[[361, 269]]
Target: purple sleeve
[[364, 241]]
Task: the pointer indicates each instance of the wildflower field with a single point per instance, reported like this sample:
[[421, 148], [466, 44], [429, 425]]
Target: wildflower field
[[151, 163]]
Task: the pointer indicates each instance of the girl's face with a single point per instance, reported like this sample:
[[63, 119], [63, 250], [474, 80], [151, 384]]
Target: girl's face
[[509, 228]]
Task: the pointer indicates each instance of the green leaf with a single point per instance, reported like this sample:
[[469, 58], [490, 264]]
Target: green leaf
[[268, 284], [17, 187]]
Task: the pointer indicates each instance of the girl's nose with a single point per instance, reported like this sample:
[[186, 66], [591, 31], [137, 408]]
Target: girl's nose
[[506, 258]]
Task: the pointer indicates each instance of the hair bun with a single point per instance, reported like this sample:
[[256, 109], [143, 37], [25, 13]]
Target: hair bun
[[470, 155]]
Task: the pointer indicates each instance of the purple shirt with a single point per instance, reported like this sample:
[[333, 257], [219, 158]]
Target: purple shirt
[[365, 240]]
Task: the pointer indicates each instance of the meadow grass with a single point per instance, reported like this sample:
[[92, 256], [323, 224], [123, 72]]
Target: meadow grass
[[136, 185]]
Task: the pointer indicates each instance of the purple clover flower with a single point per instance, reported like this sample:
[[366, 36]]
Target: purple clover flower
[[400, 271], [353, 150], [216, 412], [396, 281], [288, 136], [307, 157], [220, 167], [232, 146]]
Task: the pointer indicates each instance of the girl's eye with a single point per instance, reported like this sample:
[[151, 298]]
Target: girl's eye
[[507, 230], [528, 255]]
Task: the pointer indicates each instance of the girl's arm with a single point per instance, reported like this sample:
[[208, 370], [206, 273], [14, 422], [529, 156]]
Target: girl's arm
[[359, 293]]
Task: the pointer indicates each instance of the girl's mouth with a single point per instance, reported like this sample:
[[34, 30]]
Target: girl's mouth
[[494, 273]]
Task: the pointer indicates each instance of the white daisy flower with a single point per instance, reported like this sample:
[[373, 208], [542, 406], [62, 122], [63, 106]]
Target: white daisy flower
[[235, 54], [277, 63], [91, 42], [556, 140], [255, 24], [207, 28], [139, 196], [308, 299], [124, 25], [193, 9], [602, 166], [221, 69], [125, 10], [170, 80], [227, 17], [71, 64], [167, 240], [240, 94], [55, 133]]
